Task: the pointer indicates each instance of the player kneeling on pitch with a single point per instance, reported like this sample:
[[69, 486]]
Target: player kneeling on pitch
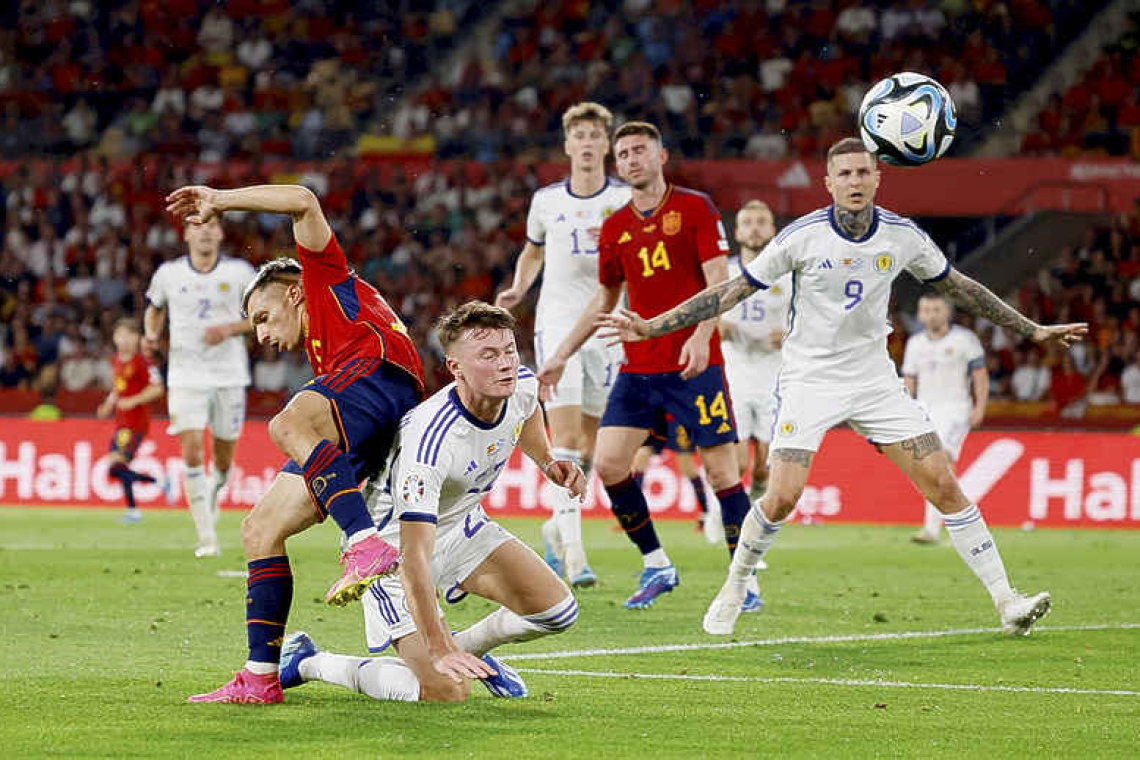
[[449, 451]]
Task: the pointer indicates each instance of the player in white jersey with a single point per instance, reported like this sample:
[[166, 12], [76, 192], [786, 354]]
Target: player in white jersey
[[753, 332], [562, 240], [836, 369], [941, 366], [449, 451], [208, 365]]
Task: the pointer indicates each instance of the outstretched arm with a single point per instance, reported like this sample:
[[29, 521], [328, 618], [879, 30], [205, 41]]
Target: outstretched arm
[[198, 204], [629, 327], [977, 299], [526, 272], [535, 443]]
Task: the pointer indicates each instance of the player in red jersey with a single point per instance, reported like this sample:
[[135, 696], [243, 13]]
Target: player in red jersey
[[137, 383], [341, 425], [666, 244]]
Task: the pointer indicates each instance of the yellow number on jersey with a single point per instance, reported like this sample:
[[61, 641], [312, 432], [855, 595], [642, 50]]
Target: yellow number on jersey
[[658, 260], [718, 408], [315, 345]]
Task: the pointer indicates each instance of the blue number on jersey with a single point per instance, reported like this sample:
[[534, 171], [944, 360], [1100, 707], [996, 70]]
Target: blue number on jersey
[[203, 308], [853, 290], [577, 250]]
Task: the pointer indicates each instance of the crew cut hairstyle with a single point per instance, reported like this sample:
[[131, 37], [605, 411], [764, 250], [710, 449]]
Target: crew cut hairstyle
[[129, 323], [755, 205], [846, 145], [587, 111], [638, 128], [473, 314], [284, 270]]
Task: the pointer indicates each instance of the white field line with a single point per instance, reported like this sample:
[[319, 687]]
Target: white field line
[[855, 637], [833, 682]]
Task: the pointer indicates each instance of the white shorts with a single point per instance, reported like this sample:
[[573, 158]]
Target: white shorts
[[589, 374], [881, 410], [952, 425], [457, 555], [754, 418], [221, 409]]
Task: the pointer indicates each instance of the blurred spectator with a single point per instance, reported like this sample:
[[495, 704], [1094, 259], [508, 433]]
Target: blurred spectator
[[1130, 381], [1067, 388], [1030, 380]]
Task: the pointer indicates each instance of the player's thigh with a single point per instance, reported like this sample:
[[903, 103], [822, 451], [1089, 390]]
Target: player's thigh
[[565, 426], [600, 367], [721, 466], [285, 510], [928, 465], [304, 422], [589, 436], [701, 409], [517, 578], [742, 454], [227, 412]]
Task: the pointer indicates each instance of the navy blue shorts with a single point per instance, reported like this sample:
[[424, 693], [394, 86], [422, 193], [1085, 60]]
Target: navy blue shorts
[[368, 399], [126, 442], [673, 436], [701, 406]]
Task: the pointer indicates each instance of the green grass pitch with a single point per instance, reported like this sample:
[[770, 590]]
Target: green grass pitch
[[105, 630]]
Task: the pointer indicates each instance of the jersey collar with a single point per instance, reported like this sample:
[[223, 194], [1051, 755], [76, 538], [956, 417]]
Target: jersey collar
[[649, 214], [472, 418], [867, 236], [601, 190], [196, 270]]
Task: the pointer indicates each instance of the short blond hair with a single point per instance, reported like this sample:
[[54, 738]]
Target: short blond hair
[[755, 205], [587, 111], [470, 315]]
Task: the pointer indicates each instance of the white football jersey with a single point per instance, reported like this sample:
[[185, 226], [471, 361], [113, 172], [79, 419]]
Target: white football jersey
[[446, 460], [942, 367], [194, 301], [751, 362], [568, 225], [841, 288]]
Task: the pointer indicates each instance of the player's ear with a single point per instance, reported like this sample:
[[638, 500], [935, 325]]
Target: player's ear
[[295, 295], [452, 367], [664, 155]]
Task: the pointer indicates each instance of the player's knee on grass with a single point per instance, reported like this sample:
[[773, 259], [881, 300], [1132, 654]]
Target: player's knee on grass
[[442, 689]]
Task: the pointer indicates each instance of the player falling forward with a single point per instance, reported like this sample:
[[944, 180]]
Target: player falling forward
[[752, 334], [450, 450], [562, 230], [665, 244], [941, 366], [836, 369], [137, 383], [340, 425], [208, 366]]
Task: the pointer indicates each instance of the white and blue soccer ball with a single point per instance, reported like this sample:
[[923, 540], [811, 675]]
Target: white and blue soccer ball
[[907, 119]]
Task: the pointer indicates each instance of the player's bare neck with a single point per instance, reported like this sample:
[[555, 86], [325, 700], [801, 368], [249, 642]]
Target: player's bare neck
[[203, 262], [646, 199], [939, 333], [485, 408], [854, 223], [587, 182], [748, 254]]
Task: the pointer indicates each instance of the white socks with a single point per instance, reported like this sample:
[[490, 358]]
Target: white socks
[[757, 534], [198, 498], [260, 668], [504, 627], [932, 520], [656, 558], [386, 678], [568, 518], [976, 546]]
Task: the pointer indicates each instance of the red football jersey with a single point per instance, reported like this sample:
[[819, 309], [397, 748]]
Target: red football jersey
[[131, 378], [658, 255], [348, 318]]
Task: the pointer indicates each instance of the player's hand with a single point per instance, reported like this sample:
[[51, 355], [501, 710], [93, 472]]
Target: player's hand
[[125, 404], [458, 666], [776, 339], [548, 376], [215, 334], [1062, 335], [197, 204], [622, 326], [565, 473], [977, 414], [694, 356], [104, 410], [508, 299]]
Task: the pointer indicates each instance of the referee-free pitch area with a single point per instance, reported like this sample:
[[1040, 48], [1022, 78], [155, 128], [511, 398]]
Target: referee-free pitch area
[[867, 646]]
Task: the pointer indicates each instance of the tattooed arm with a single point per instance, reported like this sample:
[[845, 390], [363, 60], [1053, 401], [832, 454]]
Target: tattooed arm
[[628, 326], [977, 299]]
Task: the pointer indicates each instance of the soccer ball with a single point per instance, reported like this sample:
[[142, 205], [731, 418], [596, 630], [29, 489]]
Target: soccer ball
[[907, 119]]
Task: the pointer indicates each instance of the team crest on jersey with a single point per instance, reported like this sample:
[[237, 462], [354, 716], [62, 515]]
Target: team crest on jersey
[[625, 238], [224, 287], [775, 290], [671, 223], [413, 488], [517, 432], [788, 428], [884, 263], [607, 211]]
